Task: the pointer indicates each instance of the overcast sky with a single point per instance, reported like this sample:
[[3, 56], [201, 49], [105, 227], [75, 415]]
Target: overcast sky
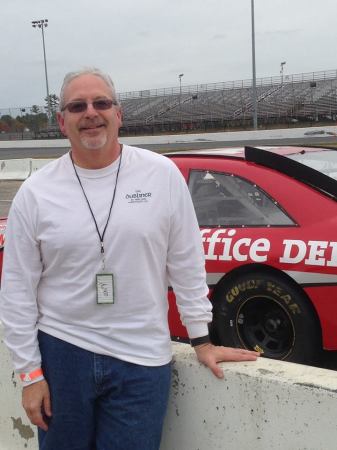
[[146, 44]]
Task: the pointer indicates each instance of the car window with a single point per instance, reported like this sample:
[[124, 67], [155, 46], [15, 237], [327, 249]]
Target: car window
[[222, 199]]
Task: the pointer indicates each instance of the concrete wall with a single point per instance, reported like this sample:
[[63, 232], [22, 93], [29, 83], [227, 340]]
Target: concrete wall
[[15, 169], [15, 429], [265, 405], [20, 169]]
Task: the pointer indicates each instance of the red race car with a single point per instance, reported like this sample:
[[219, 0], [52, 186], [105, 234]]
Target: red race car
[[268, 219]]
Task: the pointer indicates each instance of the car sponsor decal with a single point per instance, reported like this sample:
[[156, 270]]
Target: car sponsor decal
[[223, 245]]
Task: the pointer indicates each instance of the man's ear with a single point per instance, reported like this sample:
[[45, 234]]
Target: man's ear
[[120, 116], [60, 121]]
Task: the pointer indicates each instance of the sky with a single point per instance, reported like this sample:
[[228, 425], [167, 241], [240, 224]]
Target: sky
[[146, 44]]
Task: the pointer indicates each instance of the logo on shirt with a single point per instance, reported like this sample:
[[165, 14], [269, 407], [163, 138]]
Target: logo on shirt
[[138, 197]]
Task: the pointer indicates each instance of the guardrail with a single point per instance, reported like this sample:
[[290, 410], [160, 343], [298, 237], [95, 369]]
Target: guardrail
[[258, 405]]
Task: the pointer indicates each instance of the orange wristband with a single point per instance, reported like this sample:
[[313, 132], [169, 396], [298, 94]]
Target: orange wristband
[[32, 375]]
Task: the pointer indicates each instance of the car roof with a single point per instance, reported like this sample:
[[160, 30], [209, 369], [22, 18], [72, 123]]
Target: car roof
[[276, 158]]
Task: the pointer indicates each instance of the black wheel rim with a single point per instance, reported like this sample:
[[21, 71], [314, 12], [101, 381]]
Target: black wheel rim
[[265, 325]]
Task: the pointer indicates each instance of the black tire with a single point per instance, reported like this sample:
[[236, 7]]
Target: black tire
[[262, 312]]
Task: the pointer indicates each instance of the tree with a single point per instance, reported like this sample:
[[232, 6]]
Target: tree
[[35, 109], [4, 127], [53, 105], [19, 124], [36, 120], [8, 122]]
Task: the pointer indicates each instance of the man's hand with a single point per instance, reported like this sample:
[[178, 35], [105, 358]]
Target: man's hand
[[36, 403], [210, 355]]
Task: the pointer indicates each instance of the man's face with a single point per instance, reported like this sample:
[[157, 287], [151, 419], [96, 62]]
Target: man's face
[[91, 129]]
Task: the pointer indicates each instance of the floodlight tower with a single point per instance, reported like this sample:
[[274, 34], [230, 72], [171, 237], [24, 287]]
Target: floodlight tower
[[254, 69], [180, 77], [181, 116], [43, 23], [283, 63]]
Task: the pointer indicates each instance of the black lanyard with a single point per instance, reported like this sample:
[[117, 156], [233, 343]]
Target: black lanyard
[[101, 236]]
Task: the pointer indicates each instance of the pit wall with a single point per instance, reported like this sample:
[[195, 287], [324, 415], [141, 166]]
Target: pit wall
[[20, 169], [263, 405]]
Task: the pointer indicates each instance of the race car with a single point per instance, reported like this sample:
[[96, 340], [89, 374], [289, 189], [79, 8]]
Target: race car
[[268, 220]]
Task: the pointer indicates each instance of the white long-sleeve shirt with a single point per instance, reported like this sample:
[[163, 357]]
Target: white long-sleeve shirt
[[53, 253]]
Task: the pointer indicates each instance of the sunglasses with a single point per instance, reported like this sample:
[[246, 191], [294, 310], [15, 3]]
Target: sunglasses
[[81, 106]]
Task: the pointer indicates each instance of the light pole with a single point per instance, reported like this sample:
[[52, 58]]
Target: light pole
[[254, 69], [283, 63], [43, 23], [180, 77], [181, 117]]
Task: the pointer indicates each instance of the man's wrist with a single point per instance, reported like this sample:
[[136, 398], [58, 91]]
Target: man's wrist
[[34, 376], [200, 340]]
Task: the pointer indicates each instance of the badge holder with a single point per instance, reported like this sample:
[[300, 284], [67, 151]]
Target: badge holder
[[104, 288]]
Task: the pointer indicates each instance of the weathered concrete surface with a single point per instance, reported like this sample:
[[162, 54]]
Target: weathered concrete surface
[[20, 169], [15, 169], [16, 432], [264, 405]]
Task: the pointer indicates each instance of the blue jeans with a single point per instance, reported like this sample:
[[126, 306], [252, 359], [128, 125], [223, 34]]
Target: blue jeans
[[99, 402]]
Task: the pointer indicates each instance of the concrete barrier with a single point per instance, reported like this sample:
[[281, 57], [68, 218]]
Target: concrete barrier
[[36, 164], [20, 169], [264, 405], [15, 169], [16, 432]]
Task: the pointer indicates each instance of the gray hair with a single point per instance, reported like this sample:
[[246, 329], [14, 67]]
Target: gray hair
[[87, 71]]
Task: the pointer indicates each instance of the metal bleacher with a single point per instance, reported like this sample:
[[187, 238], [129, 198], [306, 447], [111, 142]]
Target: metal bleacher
[[307, 96]]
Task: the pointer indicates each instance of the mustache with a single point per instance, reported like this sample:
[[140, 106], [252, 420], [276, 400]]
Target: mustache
[[91, 123]]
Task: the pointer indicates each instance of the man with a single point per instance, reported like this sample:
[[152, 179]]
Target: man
[[93, 240]]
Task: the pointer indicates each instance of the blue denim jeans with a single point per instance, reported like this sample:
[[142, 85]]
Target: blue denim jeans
[[100, 402]]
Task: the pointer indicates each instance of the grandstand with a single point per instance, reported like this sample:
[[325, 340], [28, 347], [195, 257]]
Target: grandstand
[[290, 99], [306, 97]]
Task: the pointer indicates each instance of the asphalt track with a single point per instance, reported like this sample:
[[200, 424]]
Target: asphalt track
[[7, 191], [55, 152]]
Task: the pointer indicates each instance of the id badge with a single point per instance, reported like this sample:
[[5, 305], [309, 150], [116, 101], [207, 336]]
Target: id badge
[[104, 288]]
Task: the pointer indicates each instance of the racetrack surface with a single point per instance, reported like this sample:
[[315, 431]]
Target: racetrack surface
[[56, 152], [319, 136], [7, 191]]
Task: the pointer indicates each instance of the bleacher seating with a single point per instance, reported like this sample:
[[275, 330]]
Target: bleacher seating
[[310, 96], [290, 98]]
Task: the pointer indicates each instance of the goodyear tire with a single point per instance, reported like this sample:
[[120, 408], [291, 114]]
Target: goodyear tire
[[263, 312]]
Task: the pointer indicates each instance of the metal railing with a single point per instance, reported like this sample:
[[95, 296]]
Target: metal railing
[[229, 85]]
